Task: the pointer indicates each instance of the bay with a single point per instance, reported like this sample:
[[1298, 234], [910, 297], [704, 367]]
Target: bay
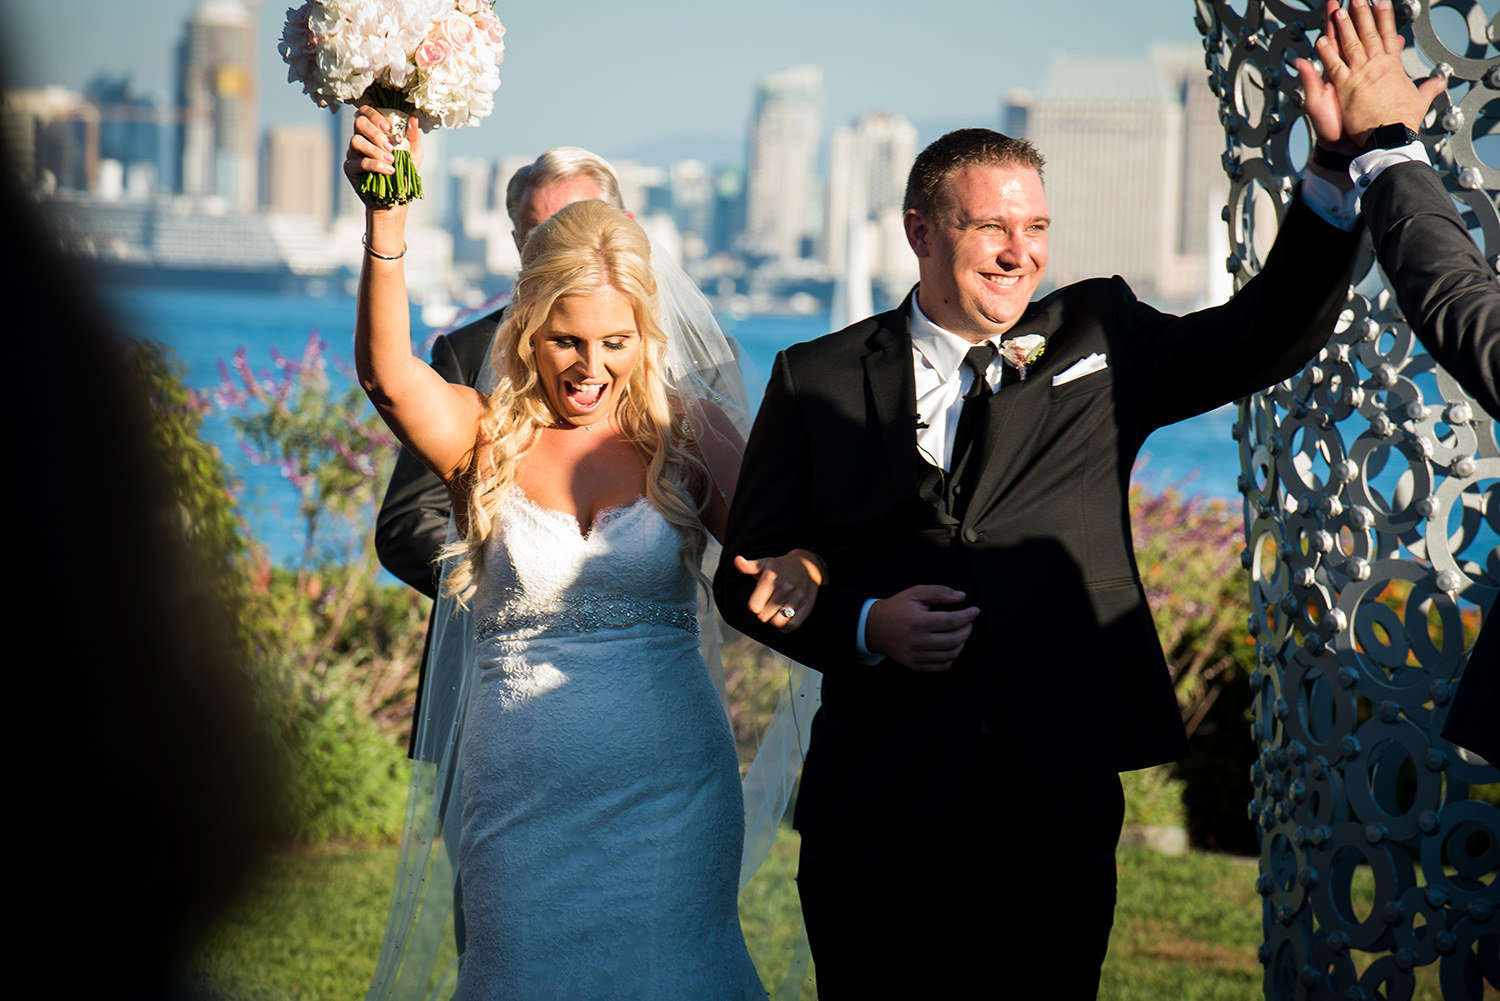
[[205, 327]]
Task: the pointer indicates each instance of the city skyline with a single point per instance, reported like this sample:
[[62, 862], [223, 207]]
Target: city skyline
[[645, 84]]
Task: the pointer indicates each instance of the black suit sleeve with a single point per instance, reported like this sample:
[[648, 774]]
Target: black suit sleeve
[[1449, 295], [1446, 289], [413, 520], [772, 503], [1267, 332]]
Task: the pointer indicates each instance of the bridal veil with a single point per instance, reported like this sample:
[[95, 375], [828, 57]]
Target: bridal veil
[[416, 960]]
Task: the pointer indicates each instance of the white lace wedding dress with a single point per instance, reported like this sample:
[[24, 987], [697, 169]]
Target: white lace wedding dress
[[602, 814]]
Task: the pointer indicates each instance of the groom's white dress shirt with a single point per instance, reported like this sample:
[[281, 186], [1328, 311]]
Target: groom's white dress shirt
[[942, 379]]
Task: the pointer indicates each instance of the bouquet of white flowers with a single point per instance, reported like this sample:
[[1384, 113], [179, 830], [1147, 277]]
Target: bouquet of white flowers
[[438, 59]]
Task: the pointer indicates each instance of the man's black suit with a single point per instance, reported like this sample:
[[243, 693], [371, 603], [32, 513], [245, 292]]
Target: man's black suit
[[1452, 300], [413, 521], [911, 776]]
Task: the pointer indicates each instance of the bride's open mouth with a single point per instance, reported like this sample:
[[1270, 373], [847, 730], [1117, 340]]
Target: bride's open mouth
[[584, 396]]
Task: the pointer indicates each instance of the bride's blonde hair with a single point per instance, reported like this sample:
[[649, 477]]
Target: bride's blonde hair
[[585, 248]]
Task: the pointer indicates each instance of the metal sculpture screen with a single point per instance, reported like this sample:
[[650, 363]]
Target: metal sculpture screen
[[1372, 502]]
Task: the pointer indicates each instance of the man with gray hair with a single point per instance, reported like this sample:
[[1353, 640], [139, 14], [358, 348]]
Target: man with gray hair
[[413, 521], [561, 176]]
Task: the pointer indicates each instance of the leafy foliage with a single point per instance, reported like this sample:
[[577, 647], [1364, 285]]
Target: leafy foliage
[[204, 510], [1188, 550], [330, 445], [336, 650]]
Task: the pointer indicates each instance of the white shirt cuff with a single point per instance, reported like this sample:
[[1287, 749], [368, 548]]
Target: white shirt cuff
[[1333, 205], [1368, 166], [863, 653]]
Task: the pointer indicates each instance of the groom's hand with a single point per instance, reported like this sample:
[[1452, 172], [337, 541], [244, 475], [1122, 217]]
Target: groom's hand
[[907, 628]]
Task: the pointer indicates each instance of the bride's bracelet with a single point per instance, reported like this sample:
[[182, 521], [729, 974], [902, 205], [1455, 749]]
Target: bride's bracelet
[[365, 240]]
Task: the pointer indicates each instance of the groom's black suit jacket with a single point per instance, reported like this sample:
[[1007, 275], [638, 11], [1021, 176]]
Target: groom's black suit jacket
[[1064, 667], [1449, 294]]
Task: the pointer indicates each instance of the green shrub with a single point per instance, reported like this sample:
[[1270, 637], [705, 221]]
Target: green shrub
[[336, 650], [348, 779], [203, 512], [1188, 550], [1153, 797]]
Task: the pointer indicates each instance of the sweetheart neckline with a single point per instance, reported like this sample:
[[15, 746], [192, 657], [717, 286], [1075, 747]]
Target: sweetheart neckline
[[602, 518]]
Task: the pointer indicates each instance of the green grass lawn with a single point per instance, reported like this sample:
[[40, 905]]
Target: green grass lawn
[[1186, 928]]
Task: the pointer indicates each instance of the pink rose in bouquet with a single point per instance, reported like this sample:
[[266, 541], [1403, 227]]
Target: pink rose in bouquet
[[439, 59], [487, 22], [431, 54], [457, 29]]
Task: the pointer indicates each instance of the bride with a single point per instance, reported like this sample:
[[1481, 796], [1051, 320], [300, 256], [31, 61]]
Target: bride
[[585, 760]]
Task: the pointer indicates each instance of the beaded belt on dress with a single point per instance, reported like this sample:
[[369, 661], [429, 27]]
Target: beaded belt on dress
[[585, 613]]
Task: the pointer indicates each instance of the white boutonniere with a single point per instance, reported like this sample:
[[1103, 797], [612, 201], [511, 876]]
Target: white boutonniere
[[1020, 352]]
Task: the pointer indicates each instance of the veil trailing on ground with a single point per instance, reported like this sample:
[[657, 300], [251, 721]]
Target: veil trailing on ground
[[417, 956]]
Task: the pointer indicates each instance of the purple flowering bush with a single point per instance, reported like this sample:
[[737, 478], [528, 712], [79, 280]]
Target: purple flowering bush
[[1188, 552], [338, 648]]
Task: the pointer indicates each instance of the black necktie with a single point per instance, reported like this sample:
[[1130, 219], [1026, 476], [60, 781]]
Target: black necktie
[[977, 360], [970, 418]]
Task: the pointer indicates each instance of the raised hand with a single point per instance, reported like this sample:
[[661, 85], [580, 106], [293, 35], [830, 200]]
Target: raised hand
[[1363, 84], [783, 584], [372, 147], [1361, 53], [907, 628]]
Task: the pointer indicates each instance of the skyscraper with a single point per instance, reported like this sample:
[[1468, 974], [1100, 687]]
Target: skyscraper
[[297, 159], [130, 130], [52, 136], [692, 205], [728, 221], [867, 167], [783, 156], [216, 100], [1132, 168]]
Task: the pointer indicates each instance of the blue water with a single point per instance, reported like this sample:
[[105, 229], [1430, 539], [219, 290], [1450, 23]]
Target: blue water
[[205, 327]]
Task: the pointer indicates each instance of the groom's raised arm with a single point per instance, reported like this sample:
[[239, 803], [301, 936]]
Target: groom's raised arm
[[1270, 329], [772, 513]]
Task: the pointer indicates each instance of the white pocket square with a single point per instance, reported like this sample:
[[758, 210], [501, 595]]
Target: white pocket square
[[1095, 362]]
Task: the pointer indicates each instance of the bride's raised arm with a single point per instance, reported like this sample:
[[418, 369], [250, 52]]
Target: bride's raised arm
[[435, 419]]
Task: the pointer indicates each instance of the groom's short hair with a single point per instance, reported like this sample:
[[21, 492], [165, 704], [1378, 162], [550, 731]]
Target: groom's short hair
[[927, 184], [563, 163]]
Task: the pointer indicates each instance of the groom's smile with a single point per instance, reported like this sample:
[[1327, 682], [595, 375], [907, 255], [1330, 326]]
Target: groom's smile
[[982, 258]]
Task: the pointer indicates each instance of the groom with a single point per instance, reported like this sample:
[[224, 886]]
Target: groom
[[989, 660]]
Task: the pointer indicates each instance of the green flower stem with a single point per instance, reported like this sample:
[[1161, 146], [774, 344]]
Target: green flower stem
[[385, 190], [405, 185]]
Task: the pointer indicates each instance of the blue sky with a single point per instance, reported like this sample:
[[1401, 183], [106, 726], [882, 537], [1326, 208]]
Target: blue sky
[[613, 76]]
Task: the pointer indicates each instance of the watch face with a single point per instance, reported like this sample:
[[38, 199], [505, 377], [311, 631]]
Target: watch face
[[1391, 137]]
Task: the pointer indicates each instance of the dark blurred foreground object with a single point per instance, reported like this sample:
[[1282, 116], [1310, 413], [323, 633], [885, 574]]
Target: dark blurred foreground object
[[156, 784]]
